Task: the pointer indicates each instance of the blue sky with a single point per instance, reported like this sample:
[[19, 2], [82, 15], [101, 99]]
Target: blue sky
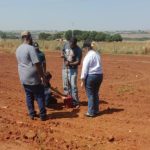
[[97, 15]]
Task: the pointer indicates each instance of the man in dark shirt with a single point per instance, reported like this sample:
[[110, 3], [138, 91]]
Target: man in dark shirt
[[72, 55]]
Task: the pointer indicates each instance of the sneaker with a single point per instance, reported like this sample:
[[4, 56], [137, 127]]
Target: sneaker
[[89, 115], [32, 118], [43, 118], [76, 106], [97, 113]]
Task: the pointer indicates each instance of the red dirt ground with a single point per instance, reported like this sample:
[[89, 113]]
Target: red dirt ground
[[124, 123]]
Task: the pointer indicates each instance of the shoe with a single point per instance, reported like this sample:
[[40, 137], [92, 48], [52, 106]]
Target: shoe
[[32, 117], [76, 106], [36, 115], [89, 115], [43, 118], [97, 113]]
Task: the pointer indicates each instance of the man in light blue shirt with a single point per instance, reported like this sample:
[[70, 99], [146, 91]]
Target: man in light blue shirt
[[31, 75]]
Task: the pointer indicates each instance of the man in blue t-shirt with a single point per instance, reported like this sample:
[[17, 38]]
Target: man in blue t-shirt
[[41, 56], [72, 55]]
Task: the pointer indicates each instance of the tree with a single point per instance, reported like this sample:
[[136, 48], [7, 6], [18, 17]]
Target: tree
[[108, 38], [92, 35], [100, 36], [68, 34], [116, 37], [43, 36], [85, 35], [3, 35]]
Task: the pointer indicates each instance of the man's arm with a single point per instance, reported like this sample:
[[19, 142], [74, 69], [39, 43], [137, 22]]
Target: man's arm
[[62, 54], [82, 82], [78, 60], [74, 63], [44, 67], [40, 72], [84, 71], [62, 51]]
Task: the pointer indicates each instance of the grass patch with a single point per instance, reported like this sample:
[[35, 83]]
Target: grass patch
[[125, 89]]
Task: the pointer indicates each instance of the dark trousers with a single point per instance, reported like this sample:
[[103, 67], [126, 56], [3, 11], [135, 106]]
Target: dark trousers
[[37, 92], [92, 85]]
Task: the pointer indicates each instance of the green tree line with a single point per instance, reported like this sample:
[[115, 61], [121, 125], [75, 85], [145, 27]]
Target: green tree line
[[8, 35], [48, 36], [93, 35], [82, 35]]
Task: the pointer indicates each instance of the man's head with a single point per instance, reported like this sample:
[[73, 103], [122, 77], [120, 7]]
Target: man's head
[[73, 42], [26, 37], [87, 45]]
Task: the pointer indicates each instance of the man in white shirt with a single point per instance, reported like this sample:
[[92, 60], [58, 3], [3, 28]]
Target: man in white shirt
[[91, 78]]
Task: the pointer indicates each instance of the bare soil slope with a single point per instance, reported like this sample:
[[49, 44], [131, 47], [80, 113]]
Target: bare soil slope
[[124, 123]]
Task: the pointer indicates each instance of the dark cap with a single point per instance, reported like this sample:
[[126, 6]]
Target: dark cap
[[73, 40], [36, 45], [87, 43]]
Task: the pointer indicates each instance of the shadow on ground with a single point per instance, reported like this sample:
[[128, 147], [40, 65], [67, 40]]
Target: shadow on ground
[[110, 111], [67, 114], [85, 103]]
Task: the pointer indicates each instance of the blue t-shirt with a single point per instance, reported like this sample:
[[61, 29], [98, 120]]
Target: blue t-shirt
[[41, 57]]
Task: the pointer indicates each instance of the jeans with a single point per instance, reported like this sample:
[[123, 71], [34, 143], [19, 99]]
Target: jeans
[[37, 92], [47, 95], [49, 98], [70, 75], [92, 85]]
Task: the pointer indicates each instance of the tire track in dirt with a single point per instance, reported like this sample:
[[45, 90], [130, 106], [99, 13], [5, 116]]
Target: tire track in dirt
[[145, 76]]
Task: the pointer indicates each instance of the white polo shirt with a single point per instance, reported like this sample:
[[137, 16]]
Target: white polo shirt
[[91, 64]]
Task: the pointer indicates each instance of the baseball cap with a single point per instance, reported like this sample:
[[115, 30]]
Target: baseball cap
[[73, 40], [25, 33], [87, 43]]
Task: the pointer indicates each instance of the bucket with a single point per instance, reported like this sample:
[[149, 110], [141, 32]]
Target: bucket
[[68, 102]]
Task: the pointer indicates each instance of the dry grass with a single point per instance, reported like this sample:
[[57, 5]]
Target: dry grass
[[103, 47], [11, 45], [122, 47]]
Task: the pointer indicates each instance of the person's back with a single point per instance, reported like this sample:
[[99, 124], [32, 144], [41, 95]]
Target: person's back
[[91, 78], [41, 56], [26, 59], [31, 75], [94, 60]]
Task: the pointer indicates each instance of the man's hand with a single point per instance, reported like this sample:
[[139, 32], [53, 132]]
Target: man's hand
[[41, 73], [82, 83], [62, 55], [67, 63], [44, 80]]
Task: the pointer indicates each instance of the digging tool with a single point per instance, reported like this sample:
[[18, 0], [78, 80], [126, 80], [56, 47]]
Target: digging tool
[[68, 101]]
